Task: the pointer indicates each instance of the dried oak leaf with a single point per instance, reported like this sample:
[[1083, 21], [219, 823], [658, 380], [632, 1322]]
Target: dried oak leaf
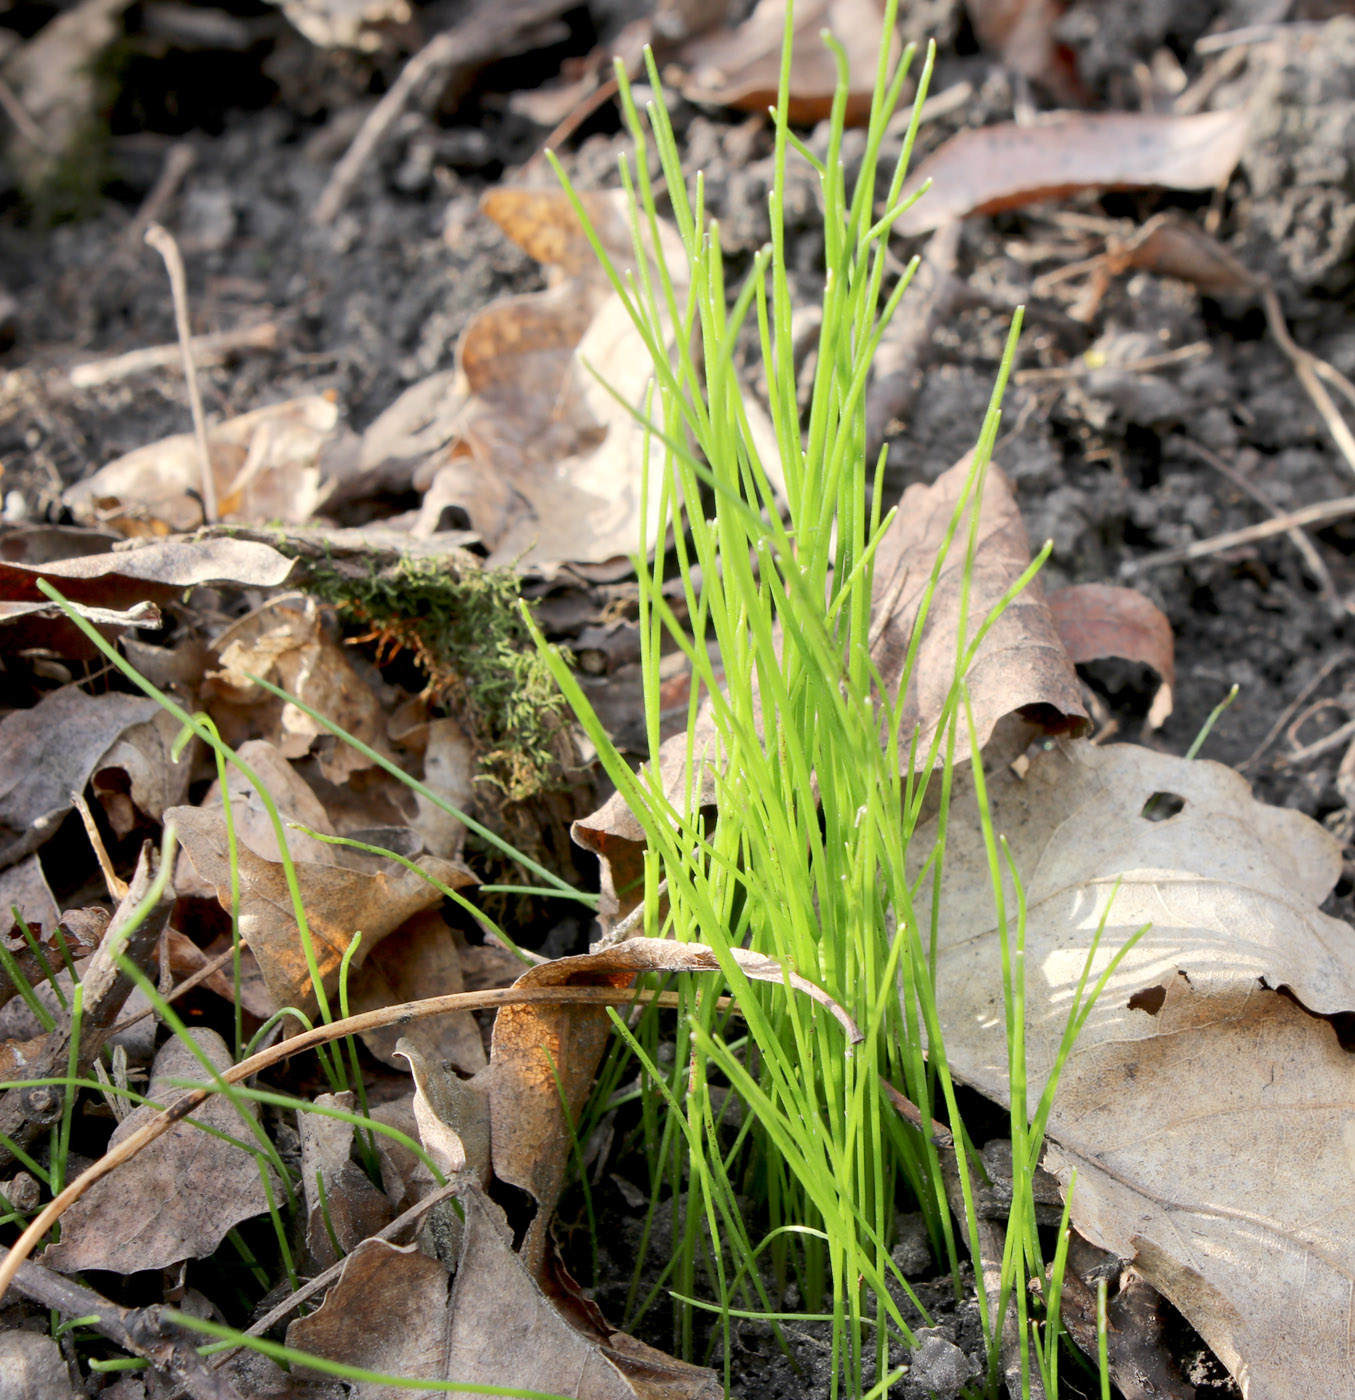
[[741, 67], [286, 642], [1209, 1113], [269, 465], [1008, 166], [351, 1208], [179, 1196], [48, 752], [346, 892], [1099, 620]]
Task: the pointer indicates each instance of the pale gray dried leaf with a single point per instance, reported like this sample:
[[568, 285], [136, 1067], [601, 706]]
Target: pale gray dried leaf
[[1210, 1118], [48, 752], [32, 1368], [25, 885], [180, 1195], [139, 776], [352, 1209]]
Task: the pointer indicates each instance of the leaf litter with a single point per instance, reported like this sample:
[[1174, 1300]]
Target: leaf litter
[[1214, 1030]]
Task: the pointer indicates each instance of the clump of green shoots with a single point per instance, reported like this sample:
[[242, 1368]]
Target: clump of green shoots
[[818, 786]]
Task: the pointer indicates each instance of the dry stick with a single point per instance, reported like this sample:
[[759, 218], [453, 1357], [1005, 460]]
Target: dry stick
[[140, 1331], [179, 161], [1311, 371], [476, 39], [1306, 548], [23, 121], [206, 350], [194, 979], [163, 242], [1296, 704], [400, 1014], [1323, 513]]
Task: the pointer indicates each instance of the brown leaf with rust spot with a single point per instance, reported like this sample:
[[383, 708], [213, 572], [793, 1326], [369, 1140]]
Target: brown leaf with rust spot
[[1008, 166], [1021, 664], [542, 1054]]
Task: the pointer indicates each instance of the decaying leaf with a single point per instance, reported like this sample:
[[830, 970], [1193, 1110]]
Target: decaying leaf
[[178, 1197], [48, 752], [139, 776], [741, 67], [1008, 166], [543, 1055], [346, 24], [500, 1326], [420, 960], [346, 893], [351, 1208], [24, 887], [1021, 664], [1209, 1115], [286, 642], [1097, 620], [268, 465]]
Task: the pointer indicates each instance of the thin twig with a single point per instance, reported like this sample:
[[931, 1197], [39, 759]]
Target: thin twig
[[1257, 34], [23, 121], [1296, 704], [1323, 513], [163, 242], [179, 160], [1309, 369], [401, 1013], [1306, 548], [206, 350], [140, 1331]]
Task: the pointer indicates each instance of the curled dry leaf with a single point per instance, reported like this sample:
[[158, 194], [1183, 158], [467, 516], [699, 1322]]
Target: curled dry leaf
[[542, 1055], [286, 642], [1009, 166], [1098, 620], [48, 752], [139, 776], [1021, 665], [741, 67], [268, 465], [85, 572], [1209, 1117], [180, 1195]]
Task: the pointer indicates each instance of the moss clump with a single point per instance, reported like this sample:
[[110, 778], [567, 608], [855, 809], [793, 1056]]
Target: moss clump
[[463, 629]]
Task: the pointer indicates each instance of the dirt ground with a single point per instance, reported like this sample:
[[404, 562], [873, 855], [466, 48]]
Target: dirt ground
[[1112, 461]]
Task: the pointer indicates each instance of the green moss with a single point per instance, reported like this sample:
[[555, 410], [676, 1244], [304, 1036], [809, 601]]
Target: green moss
[[464, 630]]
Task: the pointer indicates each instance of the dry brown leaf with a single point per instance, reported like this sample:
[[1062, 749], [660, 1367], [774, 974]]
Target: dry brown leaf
[[419, 960], [286, 642], [24, 886], [48, 752], [1210, 1118], [542, 1055], [1098, 620], [269, 465], [179, 1196], [366, 893], [351, 1208], [362, 25], [1021, 33], [387, 1313], [1008, 166], [500, 1327], [1021, 664], [139, 776], [33, 1367], [741, 67]]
